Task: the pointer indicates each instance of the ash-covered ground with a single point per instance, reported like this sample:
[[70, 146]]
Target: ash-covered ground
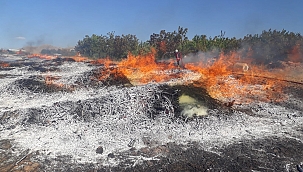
[[56, 116]]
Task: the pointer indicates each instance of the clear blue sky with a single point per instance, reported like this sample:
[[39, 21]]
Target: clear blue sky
[[63, 22]]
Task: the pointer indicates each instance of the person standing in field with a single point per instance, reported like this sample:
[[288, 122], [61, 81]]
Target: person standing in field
[[178, 57]]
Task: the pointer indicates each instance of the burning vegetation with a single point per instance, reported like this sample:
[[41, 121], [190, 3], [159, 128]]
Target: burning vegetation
[[3, 64], [130, 108], [229, 77], [221, 77], [255, 68]]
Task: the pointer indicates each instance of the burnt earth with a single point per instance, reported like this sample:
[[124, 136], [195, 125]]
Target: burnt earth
[[43, 69], [110, 77], [38, 85], [11, 162], [281, 150], [270, 154], [296, 91]]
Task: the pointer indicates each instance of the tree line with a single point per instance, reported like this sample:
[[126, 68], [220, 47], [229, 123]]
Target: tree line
[[110, 45], [268, 46]]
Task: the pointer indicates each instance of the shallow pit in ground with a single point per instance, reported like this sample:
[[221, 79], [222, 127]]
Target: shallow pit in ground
[[188, 100]]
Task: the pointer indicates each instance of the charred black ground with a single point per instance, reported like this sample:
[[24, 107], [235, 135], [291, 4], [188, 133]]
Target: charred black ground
[[270, 154], [38, 85], [255, 137], [101, 77]]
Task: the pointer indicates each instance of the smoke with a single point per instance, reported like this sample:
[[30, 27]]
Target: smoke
[[36, 46], [201, 57], [32, 46]]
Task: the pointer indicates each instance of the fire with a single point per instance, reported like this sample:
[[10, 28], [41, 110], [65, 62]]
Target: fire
[[51, 57], [42, 56], [52, 81], [109, 69], [144, 68], [140, 69], [80, 59], [227, 78], [2, 64], [295, 54], [250, 83], [107, 62]]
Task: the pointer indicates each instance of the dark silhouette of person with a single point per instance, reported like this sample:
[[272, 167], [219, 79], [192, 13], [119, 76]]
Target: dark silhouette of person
[[178, 57]]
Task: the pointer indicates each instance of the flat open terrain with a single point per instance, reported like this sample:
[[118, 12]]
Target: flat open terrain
[[55, 115]]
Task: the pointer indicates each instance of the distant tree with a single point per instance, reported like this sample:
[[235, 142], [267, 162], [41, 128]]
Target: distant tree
[[111, 45], [143, 48], [189, 46], [168, 41], [266, 47], [220, 43], [272, 45], [201, 43]]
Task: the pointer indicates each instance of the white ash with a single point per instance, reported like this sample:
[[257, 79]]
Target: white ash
[[76, 123], [69, 72]]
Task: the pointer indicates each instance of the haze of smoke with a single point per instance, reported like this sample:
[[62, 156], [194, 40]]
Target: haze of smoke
[[33, 46], [200, 57], [37, 49]]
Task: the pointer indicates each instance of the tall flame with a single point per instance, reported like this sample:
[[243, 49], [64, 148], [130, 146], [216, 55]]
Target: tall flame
[[145, 68], [252, 83], [227, 78]]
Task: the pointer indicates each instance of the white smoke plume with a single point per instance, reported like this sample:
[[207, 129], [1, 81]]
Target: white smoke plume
[[200, 57]]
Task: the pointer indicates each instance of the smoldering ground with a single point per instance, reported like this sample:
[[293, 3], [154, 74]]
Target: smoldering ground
[[135, 128]]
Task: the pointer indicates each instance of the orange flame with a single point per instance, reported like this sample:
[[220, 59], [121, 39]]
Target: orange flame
[[224, 83], [51, 81], [2, 64], [295, 54], [80, 59], [145, 68], [51, 57], [226, 78], [42, 56], [106, 62]]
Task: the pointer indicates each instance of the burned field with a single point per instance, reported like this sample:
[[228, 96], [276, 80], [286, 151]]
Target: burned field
[[63, 115]]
